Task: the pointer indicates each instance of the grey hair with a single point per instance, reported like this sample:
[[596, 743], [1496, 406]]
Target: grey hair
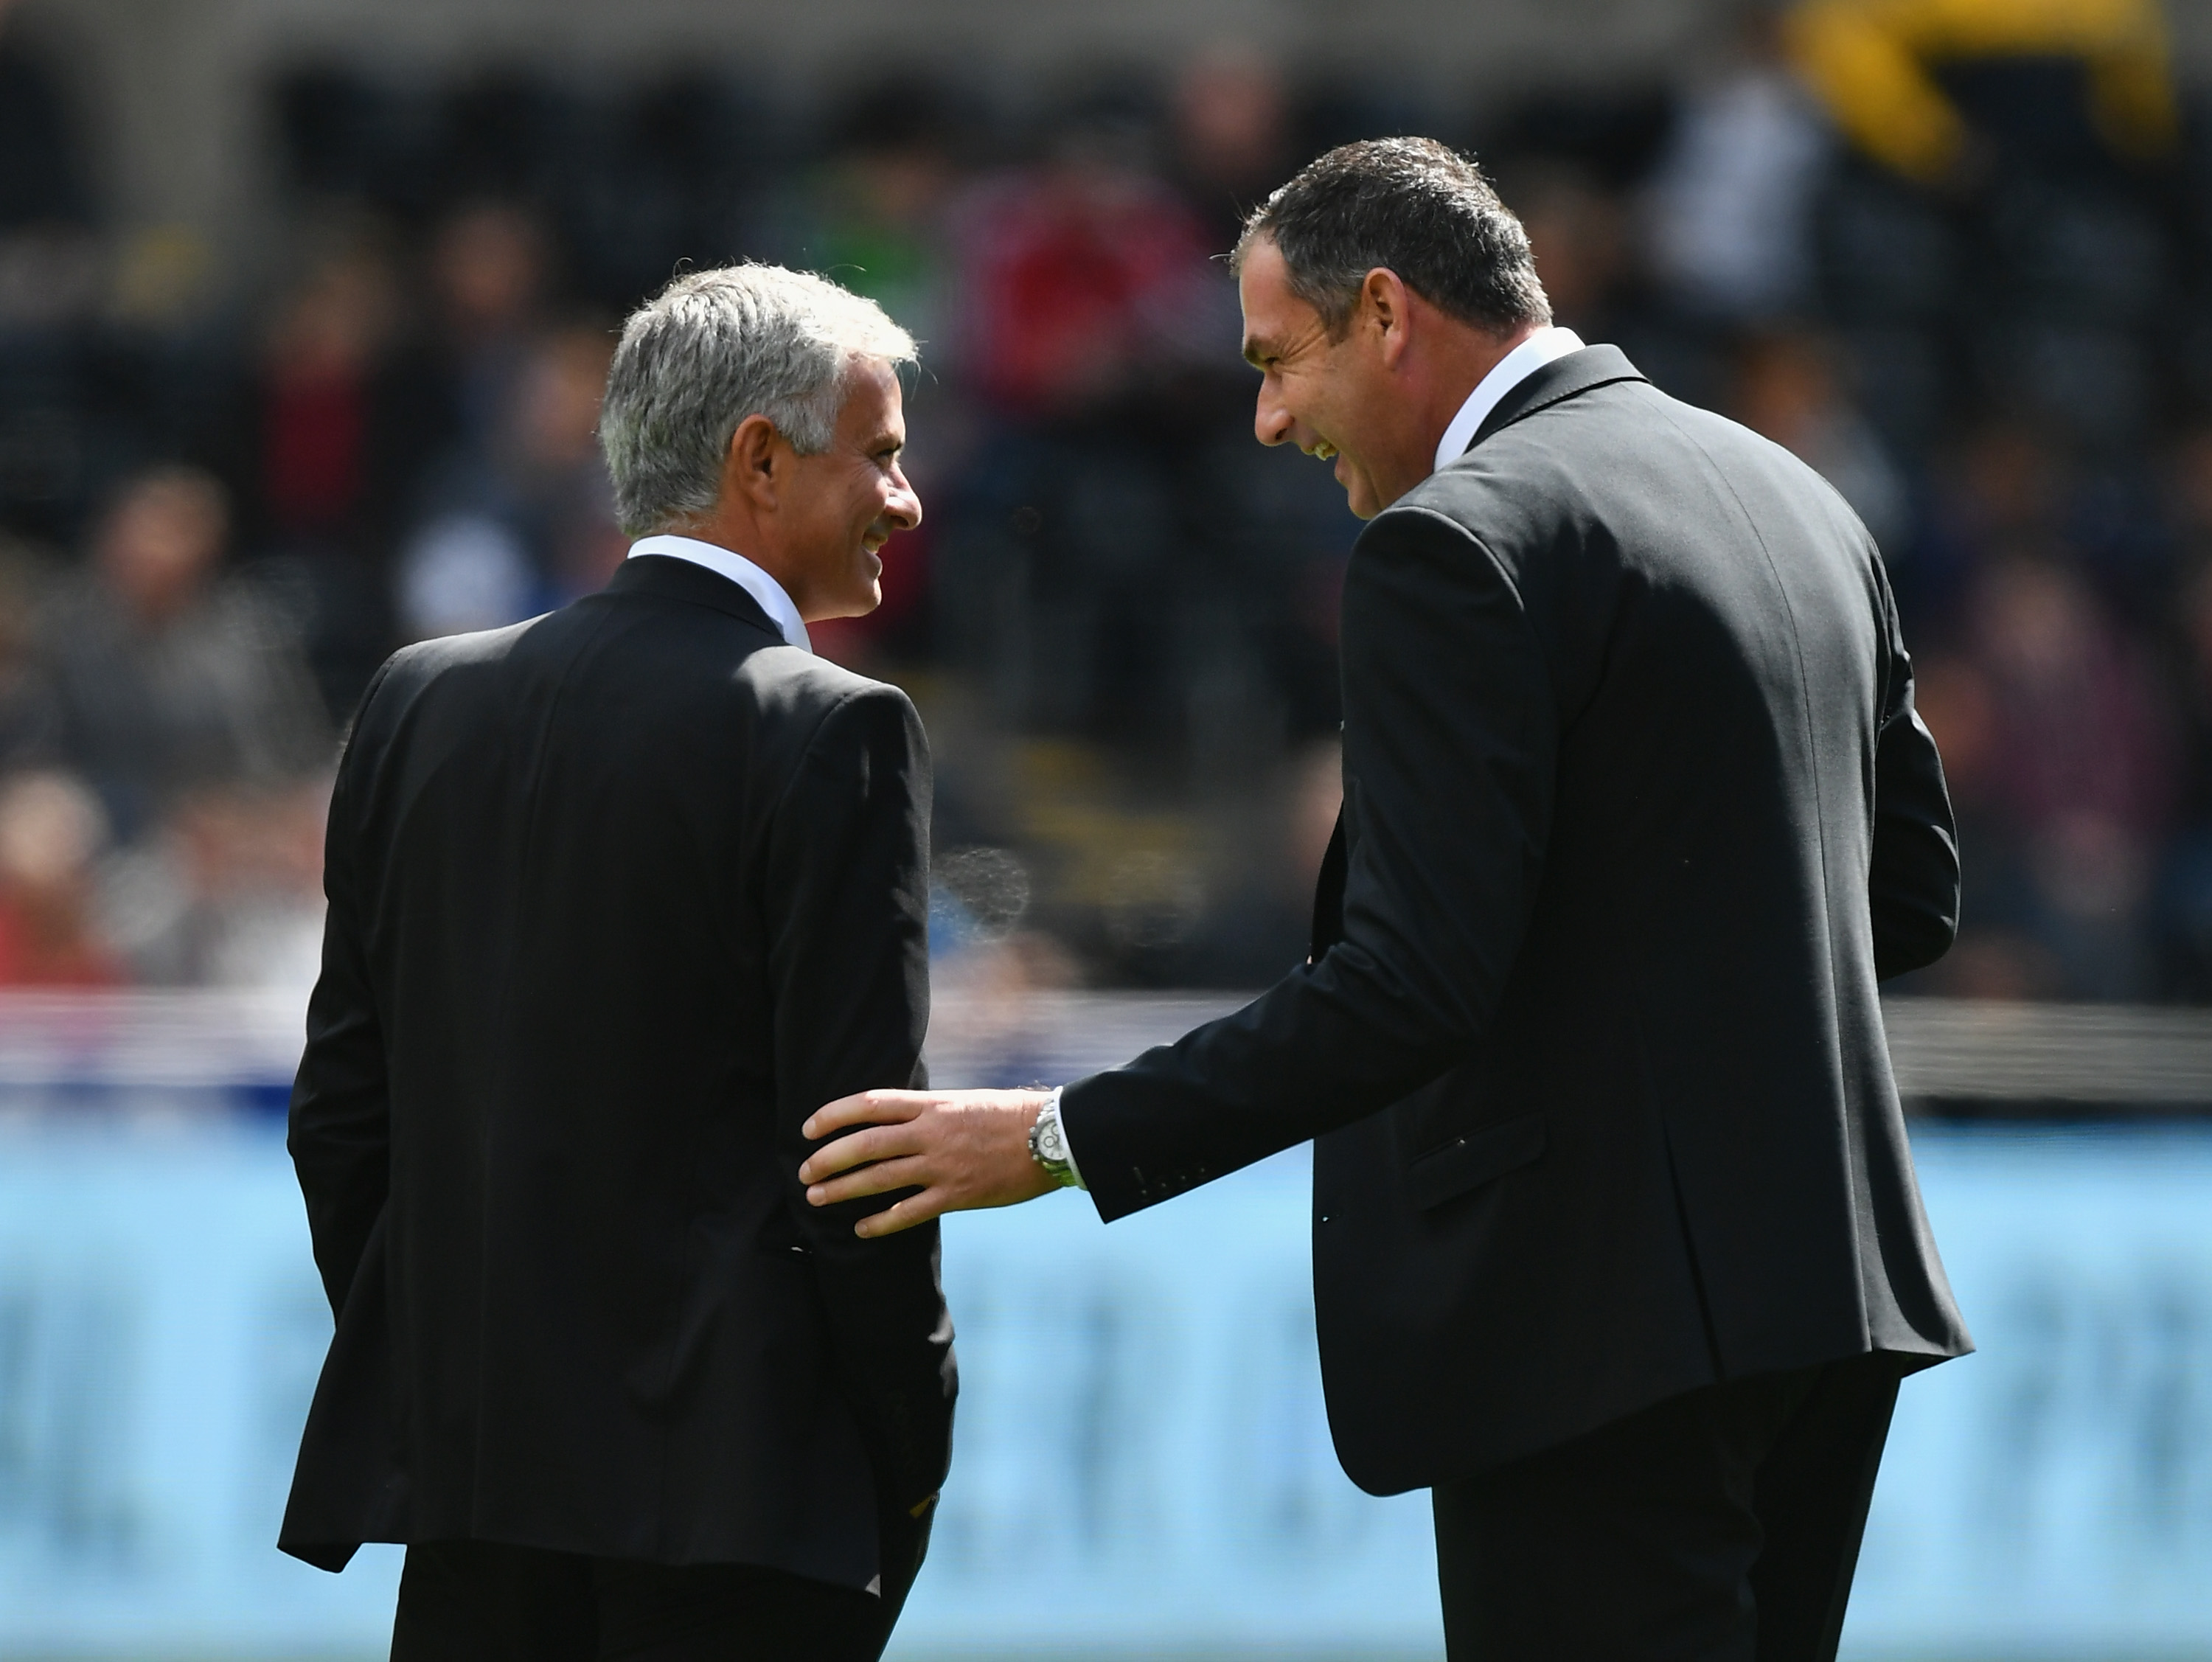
[[712, 348]]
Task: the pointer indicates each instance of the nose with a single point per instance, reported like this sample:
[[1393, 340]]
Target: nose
[[1271, 419], [903, 507]]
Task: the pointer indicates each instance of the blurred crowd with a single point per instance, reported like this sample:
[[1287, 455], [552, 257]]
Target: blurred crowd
[[1957, 254]]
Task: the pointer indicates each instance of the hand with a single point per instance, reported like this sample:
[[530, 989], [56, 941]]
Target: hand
[[963, 1149]]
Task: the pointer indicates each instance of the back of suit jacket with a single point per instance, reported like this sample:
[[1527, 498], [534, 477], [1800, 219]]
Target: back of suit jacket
[[617, 897], [1637, 810]]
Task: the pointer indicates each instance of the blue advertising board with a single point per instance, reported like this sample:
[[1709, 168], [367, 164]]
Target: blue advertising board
[[1142, 1464]]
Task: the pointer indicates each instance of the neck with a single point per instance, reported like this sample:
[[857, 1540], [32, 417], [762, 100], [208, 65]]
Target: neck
[[1465, 357], [729, 527], [1427, 390]]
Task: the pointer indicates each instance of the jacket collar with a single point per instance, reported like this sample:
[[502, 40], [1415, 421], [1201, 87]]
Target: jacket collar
[[671, 579], [1562, 378]]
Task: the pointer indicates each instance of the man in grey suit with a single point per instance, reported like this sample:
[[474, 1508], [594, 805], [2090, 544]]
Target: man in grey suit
[[1617, 1244]]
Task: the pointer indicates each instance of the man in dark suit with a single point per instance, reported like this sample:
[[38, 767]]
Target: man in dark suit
[[616, 897], [1617, 1246]]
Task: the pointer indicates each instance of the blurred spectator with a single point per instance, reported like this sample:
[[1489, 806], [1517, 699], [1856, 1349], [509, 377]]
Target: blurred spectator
[[51, 830], [317, 430], [1728, 211], [1081, 276], [553, 450], [1579, 234], [1277, 535], [465, 570], [871, 212], [2189, 489], [228, 894], [57, 429], [2067, 784], [529, 523], [487, 277], [1230, 147], [1943, 90], [2185, 911], [25, 712], [2004, 487], [164, 678], [42, 168], [329, 445], [51, 277], [1085, 287], [1232, 138], [1786, 388]]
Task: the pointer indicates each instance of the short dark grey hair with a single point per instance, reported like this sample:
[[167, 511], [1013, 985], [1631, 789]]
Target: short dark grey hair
[[712, 348], [1414, 206]]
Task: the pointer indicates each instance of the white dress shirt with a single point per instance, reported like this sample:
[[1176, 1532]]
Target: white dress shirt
[[739, 570], [1508, 372]]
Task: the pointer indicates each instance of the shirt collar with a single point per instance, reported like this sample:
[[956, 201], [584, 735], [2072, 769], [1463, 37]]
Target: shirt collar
[[1508, 372], [739, 570]]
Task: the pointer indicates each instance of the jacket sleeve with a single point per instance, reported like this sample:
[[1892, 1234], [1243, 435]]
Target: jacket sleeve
[[1912, 884], [848, 900], [1450, 734], [340, 1135]]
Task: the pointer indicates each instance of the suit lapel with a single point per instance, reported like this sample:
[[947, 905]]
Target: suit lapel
[[1562, 378]]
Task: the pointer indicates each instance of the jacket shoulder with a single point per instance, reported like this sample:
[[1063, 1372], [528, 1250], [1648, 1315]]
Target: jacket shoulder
[[1623, 448], [790, 682], [413, 669], [423, 661]]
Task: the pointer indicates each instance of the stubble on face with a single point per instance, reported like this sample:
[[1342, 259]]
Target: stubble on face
[[1310, 388], [856, 497]]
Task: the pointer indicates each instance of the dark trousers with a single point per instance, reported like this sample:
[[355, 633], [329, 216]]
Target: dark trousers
[[475, 1601], [1721, 1526]]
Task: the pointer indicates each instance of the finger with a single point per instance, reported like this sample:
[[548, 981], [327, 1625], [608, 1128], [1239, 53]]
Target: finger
[[879, 1178], [875, 1142], [864, 1108], [915, 1208]]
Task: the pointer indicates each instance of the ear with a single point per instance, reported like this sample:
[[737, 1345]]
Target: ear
[[1386, 308], [755, 468]]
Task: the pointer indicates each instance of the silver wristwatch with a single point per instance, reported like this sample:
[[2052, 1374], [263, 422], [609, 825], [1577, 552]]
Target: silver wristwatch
[[1049, 1146]]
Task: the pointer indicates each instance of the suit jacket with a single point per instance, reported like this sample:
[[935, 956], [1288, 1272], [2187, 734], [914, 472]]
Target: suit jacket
[[1637, 812], [617, 897]]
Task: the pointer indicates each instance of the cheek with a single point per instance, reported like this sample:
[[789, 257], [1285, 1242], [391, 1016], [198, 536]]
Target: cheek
[[867, 508], [1321, 406]]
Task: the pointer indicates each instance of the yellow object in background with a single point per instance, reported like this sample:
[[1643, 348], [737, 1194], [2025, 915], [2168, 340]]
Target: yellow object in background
[[1870, 62]]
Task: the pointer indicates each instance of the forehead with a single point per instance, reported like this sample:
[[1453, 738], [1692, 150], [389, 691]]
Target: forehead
[[1272, 314], [873, 400]]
